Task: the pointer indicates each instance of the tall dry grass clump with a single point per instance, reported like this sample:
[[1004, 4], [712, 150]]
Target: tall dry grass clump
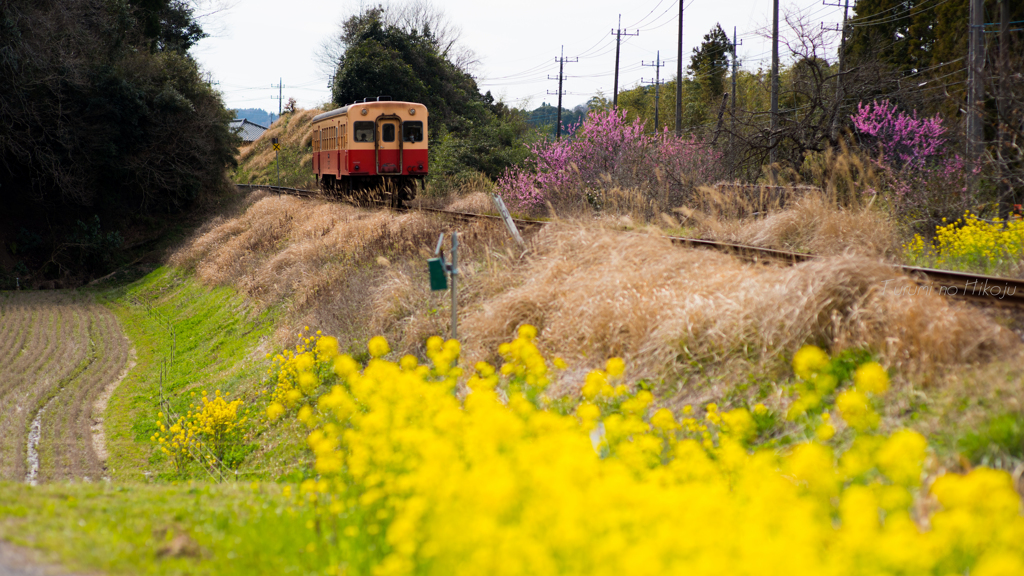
[[347, 270], [594, 294], [810, 222]]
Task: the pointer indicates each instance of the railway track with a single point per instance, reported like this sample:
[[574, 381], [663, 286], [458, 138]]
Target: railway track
[[979, 288]]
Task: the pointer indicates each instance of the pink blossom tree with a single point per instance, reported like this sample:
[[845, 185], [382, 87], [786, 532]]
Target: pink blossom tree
[[607, 150]]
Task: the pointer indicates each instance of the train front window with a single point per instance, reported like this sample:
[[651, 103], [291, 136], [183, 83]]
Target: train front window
[[412, 131], [363, 132], [387, 132]]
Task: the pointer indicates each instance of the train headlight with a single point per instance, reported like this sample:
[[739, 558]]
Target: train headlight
[[412, 111], [363, 112]]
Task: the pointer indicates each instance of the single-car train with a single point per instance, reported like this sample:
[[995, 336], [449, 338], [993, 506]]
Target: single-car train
[[370, 148]]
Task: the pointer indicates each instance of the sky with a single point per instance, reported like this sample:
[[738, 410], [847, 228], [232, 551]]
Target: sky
[[255, 44]]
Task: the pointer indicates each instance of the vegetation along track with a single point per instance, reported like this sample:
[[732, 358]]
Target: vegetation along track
[[58, 353], [988, 290]]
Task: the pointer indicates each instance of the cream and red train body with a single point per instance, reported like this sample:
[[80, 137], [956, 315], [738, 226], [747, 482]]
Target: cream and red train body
[[371, 145]]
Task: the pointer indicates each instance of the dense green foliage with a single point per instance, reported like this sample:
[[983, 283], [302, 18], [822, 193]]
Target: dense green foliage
[[102, 114], [475, 133]]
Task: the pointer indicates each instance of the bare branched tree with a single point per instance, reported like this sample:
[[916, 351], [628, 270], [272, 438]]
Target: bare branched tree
[[810, 102], [419, 15]]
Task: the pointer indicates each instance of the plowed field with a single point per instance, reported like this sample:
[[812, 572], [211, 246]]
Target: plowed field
[[59, 351]]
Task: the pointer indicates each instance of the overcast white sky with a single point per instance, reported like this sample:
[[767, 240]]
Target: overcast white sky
[[256, 42]]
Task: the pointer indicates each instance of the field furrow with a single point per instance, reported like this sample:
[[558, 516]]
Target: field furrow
[[21, 321], [11, 323], [48, 356], [60, 350], [66, 448]]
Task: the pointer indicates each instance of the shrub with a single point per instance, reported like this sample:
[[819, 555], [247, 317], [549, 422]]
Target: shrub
[[604, 153], [205, 435], [920, 180]]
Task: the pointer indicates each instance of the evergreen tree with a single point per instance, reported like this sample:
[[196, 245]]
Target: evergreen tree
[[710, 62]]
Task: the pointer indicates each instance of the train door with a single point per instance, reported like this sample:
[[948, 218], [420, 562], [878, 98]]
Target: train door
[[389, 144], [316, 151]]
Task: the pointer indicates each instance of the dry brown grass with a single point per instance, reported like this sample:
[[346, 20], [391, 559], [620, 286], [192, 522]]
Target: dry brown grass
[[474, 202], [676, 315], [594, 294], [294, 130], [349, 271], [810, 223]]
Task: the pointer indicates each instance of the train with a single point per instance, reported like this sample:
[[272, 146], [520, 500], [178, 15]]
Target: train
[[374, 150]]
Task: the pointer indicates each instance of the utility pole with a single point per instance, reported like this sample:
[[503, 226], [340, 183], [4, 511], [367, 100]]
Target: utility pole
[[775, 85], [679, 75], [280, 87], [732, 128], [975, 87], [842, 67], [561, 66], [1006, 193], [619, 33], [657, 84]]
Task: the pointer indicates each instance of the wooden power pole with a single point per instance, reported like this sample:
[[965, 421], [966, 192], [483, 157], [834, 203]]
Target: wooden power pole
[[561, 66], [975, 84], [775, 84], [679, 75], [619, 33], [657, 84]]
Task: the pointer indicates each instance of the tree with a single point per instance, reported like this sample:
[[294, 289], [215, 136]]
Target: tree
[[710, 62], [399, 54], [103, 113], [407, 64]]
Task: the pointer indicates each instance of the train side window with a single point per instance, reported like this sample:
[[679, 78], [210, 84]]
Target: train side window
[[412, 131], [387, 132], [363, 132], [344, 136]]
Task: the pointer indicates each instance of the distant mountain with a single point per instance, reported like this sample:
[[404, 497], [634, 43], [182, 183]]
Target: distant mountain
[[256, 115]]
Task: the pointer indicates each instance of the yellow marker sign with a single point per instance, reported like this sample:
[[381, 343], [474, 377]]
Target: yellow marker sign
[[277, 147], [276, 143]]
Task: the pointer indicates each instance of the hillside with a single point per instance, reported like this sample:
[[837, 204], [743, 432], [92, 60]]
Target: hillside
[[258, 164]]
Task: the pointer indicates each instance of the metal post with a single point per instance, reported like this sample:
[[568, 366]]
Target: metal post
[[455, 291]]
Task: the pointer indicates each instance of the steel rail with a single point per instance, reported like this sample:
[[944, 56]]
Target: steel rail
[[979, 288]]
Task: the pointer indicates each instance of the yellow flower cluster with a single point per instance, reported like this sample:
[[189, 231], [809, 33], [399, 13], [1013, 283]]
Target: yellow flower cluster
[[202, 434], [414, 480], [970, 243], [299, 373]]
